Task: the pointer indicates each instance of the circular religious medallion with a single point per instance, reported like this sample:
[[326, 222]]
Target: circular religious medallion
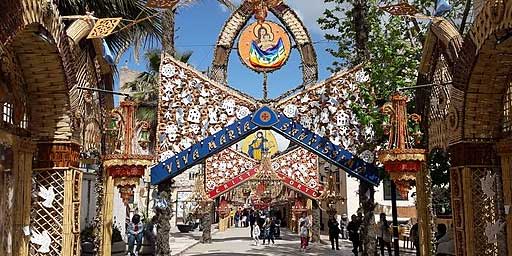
[[264, 47]]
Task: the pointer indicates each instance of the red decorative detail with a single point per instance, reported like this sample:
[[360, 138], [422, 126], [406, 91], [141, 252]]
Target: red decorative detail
[[127, 164], [260, 188], [260, 205], [299, 206], [402, 166], [126, 171], [51, 155], [300, 187], [223, 208], [219, 190]]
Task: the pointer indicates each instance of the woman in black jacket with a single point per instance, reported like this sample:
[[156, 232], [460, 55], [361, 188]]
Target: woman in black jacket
[[353, 233], [334, 232]]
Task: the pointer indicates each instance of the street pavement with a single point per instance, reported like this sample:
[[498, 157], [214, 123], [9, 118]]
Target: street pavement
[[237, 241]]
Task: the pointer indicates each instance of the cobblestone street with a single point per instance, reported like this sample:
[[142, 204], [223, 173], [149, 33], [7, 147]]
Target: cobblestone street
[[236, 241]]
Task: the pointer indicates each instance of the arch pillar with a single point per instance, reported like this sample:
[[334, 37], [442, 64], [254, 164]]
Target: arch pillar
[[473, 209], [56, 165], [15, 200]]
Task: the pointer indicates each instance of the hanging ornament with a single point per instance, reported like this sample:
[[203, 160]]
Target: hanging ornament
[[162, 4], [400, 159]]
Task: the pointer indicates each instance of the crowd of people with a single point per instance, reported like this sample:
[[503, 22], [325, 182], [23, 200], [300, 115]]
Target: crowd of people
[[265, 228], [343, 228]]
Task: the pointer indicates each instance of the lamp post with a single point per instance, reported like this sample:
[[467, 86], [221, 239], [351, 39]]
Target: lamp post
[[401, 160]]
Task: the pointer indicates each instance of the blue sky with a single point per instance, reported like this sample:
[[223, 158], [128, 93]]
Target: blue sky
[[198, 27]]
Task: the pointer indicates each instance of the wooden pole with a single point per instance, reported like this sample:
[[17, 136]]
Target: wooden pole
[[396, 245], [108, 207]]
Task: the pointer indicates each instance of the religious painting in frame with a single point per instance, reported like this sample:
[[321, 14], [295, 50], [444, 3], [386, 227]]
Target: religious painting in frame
[[264, 46]]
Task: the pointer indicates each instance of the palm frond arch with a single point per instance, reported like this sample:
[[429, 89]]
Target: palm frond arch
[[237, 21]]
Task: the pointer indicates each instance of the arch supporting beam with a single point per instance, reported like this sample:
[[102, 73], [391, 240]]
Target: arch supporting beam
[[264, 118]]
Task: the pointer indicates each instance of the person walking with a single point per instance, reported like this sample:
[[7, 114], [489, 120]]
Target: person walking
[[384, 234], [255, 234], [343, 226], [268, 232], [353, 233], [334, 232], [278, 228], [415, 238], [237, 219], [252, 221], [272, 230], [361, 223], [244, 219], [305, 219], [303, 236], [135, 233]]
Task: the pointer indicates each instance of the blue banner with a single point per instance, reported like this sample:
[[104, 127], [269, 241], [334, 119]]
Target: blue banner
[[327, 150], [264, 118]]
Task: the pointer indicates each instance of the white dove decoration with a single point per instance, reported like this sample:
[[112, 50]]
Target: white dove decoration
[[44, 240], [487, 185], [492, 230], [48, 195]]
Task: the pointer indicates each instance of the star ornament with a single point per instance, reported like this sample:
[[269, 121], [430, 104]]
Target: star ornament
[[401, 9], [162, 4], [103, 27]]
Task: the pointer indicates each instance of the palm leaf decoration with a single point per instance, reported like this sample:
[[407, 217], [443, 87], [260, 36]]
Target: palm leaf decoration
[[142, 34]]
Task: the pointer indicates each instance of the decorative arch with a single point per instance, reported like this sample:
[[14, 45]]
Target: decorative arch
[[36, 63], [264, 118], [237, 21], [33, 32], [473, 128]]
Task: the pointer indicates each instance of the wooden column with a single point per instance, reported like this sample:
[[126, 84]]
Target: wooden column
[[424, 210], [108, 207], [505, 152], [6, 203], [22, 178], [71, 215]]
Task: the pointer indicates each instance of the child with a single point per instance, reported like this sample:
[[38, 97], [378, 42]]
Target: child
[[256, 234], [303, 236]]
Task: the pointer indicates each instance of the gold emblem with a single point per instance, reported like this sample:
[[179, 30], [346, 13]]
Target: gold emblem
[[103, 27]]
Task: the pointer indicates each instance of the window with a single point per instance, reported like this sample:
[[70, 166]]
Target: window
[[24, 122], [192, 175], [8, 113], [387, 191]]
